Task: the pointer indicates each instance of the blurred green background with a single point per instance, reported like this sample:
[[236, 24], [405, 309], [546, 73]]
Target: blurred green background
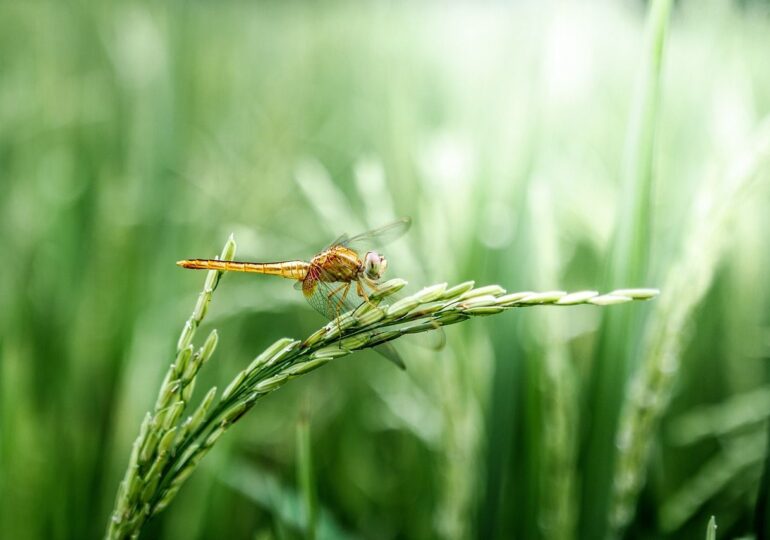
[[135, 134]]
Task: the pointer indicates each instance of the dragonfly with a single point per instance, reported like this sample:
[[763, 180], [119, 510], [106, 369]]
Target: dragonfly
[[336, 280]]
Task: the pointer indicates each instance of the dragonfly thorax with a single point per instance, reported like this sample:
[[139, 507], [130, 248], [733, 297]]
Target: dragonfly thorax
[[337, 264]]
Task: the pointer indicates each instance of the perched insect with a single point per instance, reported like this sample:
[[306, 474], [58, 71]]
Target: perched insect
[[336, 280]]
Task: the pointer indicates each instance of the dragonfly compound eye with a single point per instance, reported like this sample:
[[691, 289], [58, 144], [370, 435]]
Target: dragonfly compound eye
[[374, 265], [383, 265]]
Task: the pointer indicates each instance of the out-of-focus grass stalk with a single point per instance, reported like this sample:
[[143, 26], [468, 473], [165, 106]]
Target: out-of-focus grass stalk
[[305, 477], [453, 384], [631, 243], [628, 265], [281, 501], [449, 384], [711, 529], [762, 508], [687, 282], [748, 409], [168, 451], [558, 497], [461, 422], [738, 456]]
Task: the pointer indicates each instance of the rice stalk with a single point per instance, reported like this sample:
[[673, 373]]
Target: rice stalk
[[711, 529], [559, 394], [305, 478], [629, 260], [155, 446], [688, 281], [168, 450], [459, 424]]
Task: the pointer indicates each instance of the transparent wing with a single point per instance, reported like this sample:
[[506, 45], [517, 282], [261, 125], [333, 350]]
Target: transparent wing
[[375, 238], [332, 299], [391, 353], [435, 339]]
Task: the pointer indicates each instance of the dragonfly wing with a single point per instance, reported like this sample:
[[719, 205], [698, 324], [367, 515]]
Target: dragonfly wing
[[375, 238], [341, 240], [389, 351], [332, 299], [434, 340]]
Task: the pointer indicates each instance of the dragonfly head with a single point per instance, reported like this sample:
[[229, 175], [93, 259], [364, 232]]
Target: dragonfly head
[[374, 265]]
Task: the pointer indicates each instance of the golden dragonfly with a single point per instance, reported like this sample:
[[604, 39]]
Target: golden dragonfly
[[337, 279]]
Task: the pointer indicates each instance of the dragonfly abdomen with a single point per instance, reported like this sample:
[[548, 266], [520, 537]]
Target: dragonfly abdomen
[[287, 269]]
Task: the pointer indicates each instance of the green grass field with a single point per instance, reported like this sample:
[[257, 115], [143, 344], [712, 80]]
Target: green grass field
[[539, 147]]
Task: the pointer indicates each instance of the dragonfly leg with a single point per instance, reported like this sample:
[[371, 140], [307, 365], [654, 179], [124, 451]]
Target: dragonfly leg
[[362, 293], [345, 292], [335, 291], [345, 287]]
